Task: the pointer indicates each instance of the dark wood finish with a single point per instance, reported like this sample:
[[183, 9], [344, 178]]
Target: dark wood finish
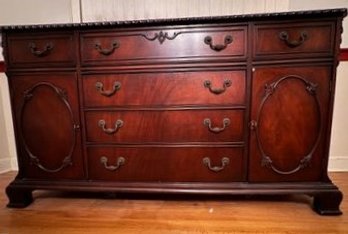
[[47, 120], [2, 66], [160, 45], [294, 39], [226, 105], [328, 203], [41, 49], [19, 198], [168, 89], [343, 54], [291, 15], [290, 122], [165, 126], [165, 164]]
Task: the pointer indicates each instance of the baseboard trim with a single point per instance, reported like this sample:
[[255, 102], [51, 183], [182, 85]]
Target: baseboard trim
[[5, 165], [338, 163], [14, 164]]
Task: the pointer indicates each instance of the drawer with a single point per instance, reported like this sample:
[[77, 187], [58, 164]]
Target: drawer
[[163, 44], [210, 87], [165, 126], [40, 50], [165, 164], [294, 40]]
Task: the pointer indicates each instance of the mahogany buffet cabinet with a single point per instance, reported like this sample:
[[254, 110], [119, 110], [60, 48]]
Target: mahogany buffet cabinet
[[226, 105]]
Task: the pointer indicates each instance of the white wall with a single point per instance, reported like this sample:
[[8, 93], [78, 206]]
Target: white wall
[[296, 5], [64, 11], [25, 12], [7, 144], [35, 11], [149, 9], [339, 147]]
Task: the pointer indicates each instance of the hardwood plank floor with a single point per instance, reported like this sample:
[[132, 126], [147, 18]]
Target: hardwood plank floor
[[58, 212]]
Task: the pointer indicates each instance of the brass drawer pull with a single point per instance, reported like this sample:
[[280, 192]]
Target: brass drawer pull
[[226, 84], [209, 41], [225, 122], [284, 36], [100, 87], [114, 45], [224, 162], [118, 125], [120, 161], [40, 53]]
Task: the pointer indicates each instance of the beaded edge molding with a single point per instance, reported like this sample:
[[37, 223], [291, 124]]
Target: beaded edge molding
[[189, 20]]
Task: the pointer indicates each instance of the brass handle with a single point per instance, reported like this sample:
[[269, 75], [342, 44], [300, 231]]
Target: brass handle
[[225, 122], [100, 87], [40, 53], [224, 162], [225, 85], [120, 161], [284, 36], [209, 41], [118, 125], [114, 45]]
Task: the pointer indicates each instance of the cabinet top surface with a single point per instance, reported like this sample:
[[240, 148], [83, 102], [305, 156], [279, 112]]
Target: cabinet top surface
[[338, 12]]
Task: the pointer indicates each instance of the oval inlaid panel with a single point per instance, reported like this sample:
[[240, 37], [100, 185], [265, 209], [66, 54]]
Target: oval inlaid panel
[[289, 122], [48, 140]]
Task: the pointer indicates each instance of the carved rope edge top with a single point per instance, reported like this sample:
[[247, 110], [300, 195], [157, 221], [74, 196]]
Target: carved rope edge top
[[341, 12]]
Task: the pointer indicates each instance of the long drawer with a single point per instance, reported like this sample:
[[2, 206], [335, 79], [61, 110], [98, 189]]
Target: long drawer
[[158, 45], [172, 88], [166, 164], [164, 126]]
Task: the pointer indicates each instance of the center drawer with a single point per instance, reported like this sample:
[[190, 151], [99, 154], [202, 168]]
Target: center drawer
[[166, 164], [137, 126], [170, 88], [162, 45]]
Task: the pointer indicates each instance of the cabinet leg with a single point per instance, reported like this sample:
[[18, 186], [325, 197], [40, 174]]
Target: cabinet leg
[[327, 203], [18, 197]]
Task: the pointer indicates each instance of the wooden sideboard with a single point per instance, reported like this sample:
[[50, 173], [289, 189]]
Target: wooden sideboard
[[217, 105]]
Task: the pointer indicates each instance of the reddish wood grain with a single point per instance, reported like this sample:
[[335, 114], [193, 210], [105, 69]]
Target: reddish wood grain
[[165, 126], [160, 89], [41, 50], [316, 41], [163, 102], [166, 164], [289, 123], [343, 54], [145, 45], [2, 66], [46, 125]]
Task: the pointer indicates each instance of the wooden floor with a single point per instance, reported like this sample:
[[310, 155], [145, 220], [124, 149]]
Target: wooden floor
[[57, 212]]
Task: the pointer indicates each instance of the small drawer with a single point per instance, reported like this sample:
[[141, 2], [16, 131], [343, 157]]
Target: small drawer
[[165, 164], [294, 40], [177, 88], [174, 126], [41, 50], [163, 44]]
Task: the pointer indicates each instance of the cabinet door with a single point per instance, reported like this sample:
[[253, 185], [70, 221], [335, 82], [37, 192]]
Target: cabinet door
[[288, 123], [47, 125]]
